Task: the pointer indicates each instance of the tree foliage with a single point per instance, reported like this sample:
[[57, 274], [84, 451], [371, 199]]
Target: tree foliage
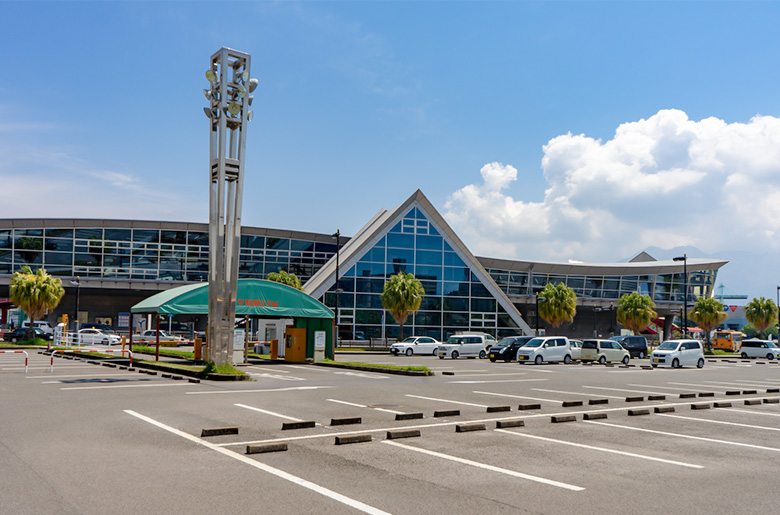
[[708, 313], [559, 304], [35, 292], [762, 313], [285, 278], [402, 296], [635, 311]]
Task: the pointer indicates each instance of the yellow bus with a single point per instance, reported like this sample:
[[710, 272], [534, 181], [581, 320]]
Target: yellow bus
[[727, 340]]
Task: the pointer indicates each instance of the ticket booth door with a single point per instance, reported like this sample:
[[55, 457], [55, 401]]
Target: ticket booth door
[[295, 344]]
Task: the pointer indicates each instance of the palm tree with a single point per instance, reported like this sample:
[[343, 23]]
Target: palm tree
[[559, 305], [762, 313], [635, 311], [402, 296], [35, 293], [708, 313], [285, 278]]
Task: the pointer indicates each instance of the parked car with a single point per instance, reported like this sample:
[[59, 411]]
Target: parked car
[[545, 348], [576, 349], [755, 348], [635, 345], [100, 327], [468, 345], [507, 348], [150, 336], [603, 351], [415, 345], [20, 333], [91, 336], [678, 353], [40, 324]]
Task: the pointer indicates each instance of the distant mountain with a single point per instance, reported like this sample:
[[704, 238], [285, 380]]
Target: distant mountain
[[747, 273]]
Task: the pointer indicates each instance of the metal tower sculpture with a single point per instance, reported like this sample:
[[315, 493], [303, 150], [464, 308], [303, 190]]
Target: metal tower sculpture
[[228, 114]]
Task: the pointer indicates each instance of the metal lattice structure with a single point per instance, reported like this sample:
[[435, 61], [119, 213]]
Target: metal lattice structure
[[228, 114]]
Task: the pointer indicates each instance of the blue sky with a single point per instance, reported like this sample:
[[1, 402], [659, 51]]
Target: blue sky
[[540, 130]]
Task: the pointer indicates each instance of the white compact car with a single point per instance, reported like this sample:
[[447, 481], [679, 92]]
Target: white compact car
[[755, 348], [415, 345], [467, 345], [96, 336], [678, 353], [545, 348]]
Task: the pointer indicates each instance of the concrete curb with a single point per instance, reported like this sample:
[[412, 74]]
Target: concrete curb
[[529, 406], [465, 428], [408, 416], [663, 409], [422, 373], [557, 419], [270, 447], [407, 433], [722, 404], [656, 397], [503, 424], [346, 421], [218, 431], [301, 424], [593, 402], [446, 413], [638, 412], [700, 406], [498, 409], [594, 416], [342, 440]]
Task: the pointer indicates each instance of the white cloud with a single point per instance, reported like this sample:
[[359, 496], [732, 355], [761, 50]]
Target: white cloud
[[663, 181]]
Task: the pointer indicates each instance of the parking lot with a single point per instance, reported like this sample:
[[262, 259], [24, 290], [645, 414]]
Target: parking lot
[[91, 439]]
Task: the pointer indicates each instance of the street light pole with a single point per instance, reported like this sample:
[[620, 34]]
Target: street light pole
[[684, 259], [228, 113], [778, 313], [538, 298], [77, 284]]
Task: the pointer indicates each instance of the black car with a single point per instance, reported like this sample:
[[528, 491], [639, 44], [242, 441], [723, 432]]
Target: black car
[[635, 345], [506, 349], [20, 333]]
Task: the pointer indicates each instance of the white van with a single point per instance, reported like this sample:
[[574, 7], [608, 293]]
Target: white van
[[40, 324], [545, 348], [678, 353], [755, 348], [467, 345]]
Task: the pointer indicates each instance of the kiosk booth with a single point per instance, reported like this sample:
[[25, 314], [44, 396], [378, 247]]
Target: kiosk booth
[[310, 337]]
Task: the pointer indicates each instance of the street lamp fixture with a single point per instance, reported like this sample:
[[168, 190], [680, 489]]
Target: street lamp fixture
[[684, 259], [542, 299]]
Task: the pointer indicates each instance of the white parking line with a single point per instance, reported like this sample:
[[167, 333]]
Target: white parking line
[[578, 393], [157, 385], [721, 422], [446, 400], [364, 406], [476, 381], [701, 385], [268, 369], [661, 387], [486, 466], [77, 375], [764, 413], [602, 449], [274, 376], [689, 437], [290, 389], [740, 384], [518, 397], [273, 414], [266, 468], [487, 374], [624, 390]]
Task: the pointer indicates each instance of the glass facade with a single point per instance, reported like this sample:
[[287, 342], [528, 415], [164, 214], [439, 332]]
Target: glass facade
[[151, 254], [455, 299], [660, 287]]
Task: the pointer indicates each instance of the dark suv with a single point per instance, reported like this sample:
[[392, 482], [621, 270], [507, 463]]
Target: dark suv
[[635, 345], [506, 349]]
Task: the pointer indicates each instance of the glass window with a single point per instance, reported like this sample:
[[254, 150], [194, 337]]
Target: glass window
[[28, 232], [429, 273], [427, 318], [401, 241], [5, 239], [429, 242], [399, 256], [61, 245], [198, 238], [368, 300], [252, 242], [118, 234], [368, 316], [479, 290], [431, 287], [277, 243], [485, 305], [428, 257], [149, 236], [302, 245], [173, 237], [88, 260], [452, 289], [430, 303], [452, 259], [456, 304], [370, 270], [58, 258], [89, 234], [456, 319], [369, 285]]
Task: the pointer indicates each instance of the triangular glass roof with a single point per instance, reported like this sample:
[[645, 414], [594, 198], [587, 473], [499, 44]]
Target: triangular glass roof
[[408, 218]]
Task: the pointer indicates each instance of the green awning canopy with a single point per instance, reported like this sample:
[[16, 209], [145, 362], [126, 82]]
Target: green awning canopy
[[256, 297]]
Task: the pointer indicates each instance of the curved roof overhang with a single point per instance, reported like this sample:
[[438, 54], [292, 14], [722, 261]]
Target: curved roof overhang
[[255, 297]]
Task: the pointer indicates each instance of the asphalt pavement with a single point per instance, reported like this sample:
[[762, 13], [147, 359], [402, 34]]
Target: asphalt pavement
[[89, 439]]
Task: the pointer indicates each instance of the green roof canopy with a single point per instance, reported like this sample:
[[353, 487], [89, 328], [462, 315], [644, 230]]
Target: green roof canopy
[[256, 297]]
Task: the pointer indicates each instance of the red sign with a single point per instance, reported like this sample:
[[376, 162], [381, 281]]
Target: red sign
[[258, 303]]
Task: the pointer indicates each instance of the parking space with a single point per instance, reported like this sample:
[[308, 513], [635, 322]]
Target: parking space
[[493, 437]]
